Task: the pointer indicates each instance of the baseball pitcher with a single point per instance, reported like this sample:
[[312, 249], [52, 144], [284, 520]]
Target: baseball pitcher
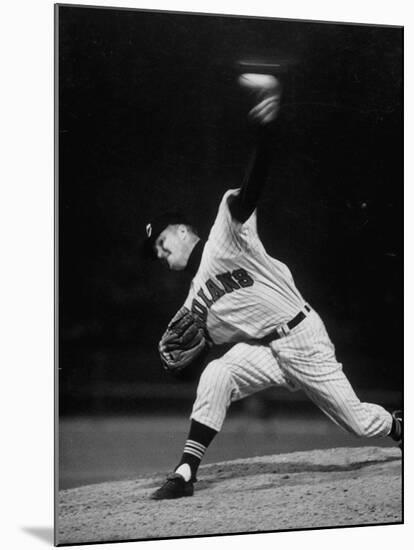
[[241, 295]]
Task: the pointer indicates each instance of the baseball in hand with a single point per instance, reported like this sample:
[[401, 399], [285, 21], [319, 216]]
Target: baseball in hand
[[266, 89]]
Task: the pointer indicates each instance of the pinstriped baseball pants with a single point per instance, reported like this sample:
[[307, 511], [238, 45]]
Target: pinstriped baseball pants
[[304, 359]]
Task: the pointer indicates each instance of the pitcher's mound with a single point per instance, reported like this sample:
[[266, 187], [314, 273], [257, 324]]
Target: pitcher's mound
[[334, 487]]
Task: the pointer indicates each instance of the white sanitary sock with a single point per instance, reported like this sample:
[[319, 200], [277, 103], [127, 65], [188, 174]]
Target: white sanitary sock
[[185, 471]]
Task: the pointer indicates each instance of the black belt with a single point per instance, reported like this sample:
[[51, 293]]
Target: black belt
[[284, 329]]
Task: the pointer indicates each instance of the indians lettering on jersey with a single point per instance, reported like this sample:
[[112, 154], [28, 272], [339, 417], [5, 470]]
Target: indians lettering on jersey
[[240, 292], [226, 282]]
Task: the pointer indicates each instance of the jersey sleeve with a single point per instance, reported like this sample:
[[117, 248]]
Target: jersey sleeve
[[228, 236]]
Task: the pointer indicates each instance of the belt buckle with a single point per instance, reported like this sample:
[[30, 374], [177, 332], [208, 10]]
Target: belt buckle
[[282, 330]]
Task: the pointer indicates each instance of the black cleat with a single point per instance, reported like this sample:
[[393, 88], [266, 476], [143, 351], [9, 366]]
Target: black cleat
[[174, 487], [397, 431]]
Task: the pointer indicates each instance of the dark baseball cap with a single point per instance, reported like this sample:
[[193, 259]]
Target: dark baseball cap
[[157, 226]]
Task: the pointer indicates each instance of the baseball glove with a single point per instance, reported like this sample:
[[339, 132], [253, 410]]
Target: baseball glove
[[182, 342]]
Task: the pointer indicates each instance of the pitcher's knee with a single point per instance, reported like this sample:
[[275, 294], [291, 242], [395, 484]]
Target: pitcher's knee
[[360, 430], [372, 426]]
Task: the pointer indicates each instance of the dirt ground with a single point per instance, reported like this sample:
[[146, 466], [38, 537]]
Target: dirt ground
[[321, 488]]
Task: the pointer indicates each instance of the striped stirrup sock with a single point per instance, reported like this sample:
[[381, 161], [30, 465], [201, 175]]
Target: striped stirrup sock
[[194, 448], [199, 438]]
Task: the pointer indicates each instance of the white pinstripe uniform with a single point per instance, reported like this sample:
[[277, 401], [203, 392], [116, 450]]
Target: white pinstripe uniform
[[242, 294]]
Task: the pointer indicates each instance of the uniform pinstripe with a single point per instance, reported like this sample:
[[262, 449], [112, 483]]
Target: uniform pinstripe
[[262, 296]]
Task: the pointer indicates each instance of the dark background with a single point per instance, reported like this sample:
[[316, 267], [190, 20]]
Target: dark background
[[151, 118]]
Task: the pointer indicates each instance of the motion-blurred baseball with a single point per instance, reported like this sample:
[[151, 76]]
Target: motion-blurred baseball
[[264, 83]]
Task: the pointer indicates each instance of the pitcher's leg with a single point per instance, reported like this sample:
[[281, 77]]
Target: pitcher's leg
[[308, 358], [214, 395], [245, 369], [338, 400]]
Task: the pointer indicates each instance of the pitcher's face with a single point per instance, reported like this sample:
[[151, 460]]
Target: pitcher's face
[[171, 248]]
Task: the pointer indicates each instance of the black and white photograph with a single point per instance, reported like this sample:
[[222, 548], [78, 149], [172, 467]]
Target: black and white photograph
[[229, 274]]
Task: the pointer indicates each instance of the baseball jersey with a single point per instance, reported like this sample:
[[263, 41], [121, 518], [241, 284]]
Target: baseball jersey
[[239, 291]]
